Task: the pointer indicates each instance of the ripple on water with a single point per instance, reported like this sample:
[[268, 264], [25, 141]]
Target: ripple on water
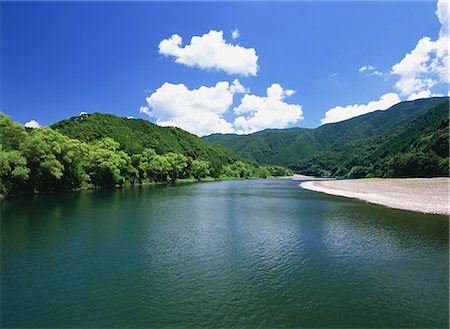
[[261, 253]]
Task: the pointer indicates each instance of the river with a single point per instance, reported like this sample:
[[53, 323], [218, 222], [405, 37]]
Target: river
[[243, 254]]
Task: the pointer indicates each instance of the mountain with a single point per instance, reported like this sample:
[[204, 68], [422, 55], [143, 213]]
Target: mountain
[[134, 135], [370, 142], [218, 137], [103, 150]]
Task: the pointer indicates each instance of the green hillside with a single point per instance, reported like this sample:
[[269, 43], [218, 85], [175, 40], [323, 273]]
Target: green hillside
[[376, 144], [218, 137], [102, 150], [135, 135]]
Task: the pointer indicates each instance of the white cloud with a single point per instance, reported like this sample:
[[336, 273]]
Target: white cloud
[[425, 67], [237, 88], [32, 124], [376, 72], [235, 34], [370, 70], [423, 94], [333, 75], [366, 68], [427, 64], [211, 51], [257, 113], [130, 117], [340, 113], [442, 13], [199, 111], [145, 110]]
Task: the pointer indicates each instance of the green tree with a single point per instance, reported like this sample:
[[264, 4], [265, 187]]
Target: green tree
[[200, 169], [143, 166], [55, 161], [106, 165], [13, 172], [178, 165], [159, 168], [11, 134]]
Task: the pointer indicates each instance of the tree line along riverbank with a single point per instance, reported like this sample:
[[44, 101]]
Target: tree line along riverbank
[[43, 160]]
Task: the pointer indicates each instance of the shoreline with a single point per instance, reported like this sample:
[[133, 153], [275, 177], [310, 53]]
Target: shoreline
[[179, 181], [309, 178], [425, 195]]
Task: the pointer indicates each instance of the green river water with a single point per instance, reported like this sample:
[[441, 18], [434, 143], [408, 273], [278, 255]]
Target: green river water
[[230, 254]]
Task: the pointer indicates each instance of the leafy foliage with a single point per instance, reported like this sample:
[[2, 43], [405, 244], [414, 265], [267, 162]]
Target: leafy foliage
[[135, 135], [45, 160], [13, 170]]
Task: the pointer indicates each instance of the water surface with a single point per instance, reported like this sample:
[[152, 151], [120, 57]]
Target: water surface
[[254, 254]]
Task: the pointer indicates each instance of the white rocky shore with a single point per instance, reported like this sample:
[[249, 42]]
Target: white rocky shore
[[426, 195]]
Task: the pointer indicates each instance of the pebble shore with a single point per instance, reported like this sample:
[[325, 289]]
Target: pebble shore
[[426, 195]]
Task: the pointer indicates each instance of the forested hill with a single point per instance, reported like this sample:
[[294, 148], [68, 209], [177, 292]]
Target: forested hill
[[135, 135], [409, 139], [86, 152]]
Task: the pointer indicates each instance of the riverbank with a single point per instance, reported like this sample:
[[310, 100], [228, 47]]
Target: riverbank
[[178, 181], [426, 195], [308, 178]]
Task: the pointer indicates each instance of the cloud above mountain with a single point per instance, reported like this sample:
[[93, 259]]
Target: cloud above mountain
[[202, 111], [32, 124], [340, 113], [199, 111], [257, 113], [425, 67]]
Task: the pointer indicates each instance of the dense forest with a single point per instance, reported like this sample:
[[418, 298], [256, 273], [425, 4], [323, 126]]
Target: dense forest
[[135, 135], [411, 139], [47, 160]]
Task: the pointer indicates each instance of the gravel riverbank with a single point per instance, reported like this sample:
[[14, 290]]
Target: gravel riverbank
[[426, 195]]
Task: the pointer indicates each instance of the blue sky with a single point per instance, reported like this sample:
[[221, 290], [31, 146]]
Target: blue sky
[[59, 59]]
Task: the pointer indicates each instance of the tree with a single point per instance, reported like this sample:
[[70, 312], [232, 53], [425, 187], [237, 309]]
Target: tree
[[141, 162], [106, 165], [159, 169], [11, 134], [13, 171], [178, 165], [200, 169], [55, 161]]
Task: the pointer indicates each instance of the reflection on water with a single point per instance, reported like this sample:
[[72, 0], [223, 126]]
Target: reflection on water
[[260, 253]]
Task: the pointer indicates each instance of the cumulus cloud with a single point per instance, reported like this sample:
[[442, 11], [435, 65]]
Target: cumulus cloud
[[235, 34], [423, 94], [211, 51], [340, 113], [427, 64], [199, 111], [32, 124], [257, 113], [425, 67]]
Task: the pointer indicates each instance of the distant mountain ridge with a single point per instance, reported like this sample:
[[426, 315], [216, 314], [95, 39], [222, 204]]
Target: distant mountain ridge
[[360, 142]]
